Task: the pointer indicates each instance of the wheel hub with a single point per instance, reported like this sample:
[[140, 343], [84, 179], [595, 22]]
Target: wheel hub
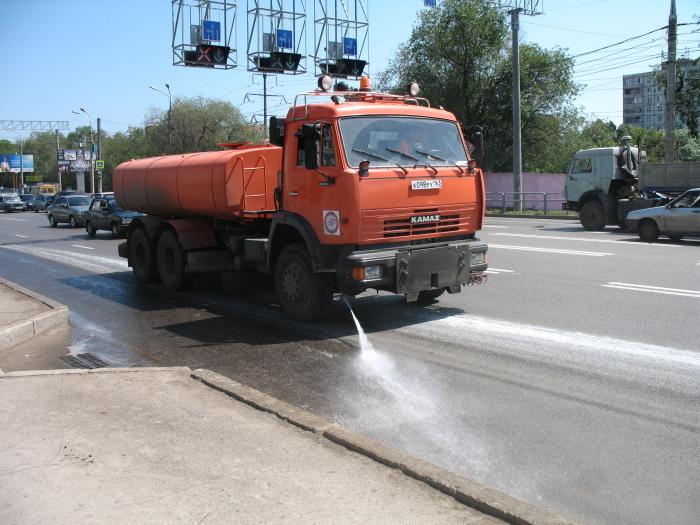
[[294, 284]]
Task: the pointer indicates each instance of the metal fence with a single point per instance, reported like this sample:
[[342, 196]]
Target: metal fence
[[531, 200]]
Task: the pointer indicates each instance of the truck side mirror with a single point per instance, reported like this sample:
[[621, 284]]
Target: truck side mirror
[[479, 147], [312, 145]]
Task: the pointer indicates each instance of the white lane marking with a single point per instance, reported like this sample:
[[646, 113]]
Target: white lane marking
[[561, 346], [494, 226], [17, 220], [91, 263], [83, 247], [653, 289], [501, 270], [584, 239], [21, 236], [549, 250]]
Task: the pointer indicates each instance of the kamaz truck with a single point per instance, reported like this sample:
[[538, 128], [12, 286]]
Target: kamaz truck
[[355, 190], [605, 184]]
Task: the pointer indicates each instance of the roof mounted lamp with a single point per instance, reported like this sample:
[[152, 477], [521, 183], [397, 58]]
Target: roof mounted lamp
[[365, 84], [413, 89], [325, 83]]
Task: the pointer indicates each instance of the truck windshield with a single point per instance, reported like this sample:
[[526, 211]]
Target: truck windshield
[[408, 141]]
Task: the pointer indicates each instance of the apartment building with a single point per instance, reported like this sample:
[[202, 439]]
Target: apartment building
[[644, 100]]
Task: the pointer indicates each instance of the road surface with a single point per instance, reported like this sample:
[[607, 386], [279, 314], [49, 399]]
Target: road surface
[[570, 380]]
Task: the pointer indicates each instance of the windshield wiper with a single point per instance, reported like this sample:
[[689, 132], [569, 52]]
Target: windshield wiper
[[377, 156], [437, 157], [409, 156]]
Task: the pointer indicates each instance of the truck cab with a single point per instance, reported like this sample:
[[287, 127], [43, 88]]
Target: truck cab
[[597, 179]]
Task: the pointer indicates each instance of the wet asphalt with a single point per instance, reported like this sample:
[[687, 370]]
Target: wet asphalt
[[562, 381]]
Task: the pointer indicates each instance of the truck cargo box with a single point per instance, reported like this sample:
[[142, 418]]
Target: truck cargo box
[[224, 184], [669, 177]]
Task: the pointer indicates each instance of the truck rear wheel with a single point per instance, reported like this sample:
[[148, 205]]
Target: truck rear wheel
[[592, 216], [648, 231], [142, 257], [171, 262], [303, 294]]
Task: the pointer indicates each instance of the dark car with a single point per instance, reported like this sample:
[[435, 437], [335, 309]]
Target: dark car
[[106, 214], [10, 202], [70, 209], [42, 202], [63, 194], [28, 199]]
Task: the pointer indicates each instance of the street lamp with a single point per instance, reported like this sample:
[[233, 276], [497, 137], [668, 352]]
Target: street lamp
[[92, 161], [170, 114]]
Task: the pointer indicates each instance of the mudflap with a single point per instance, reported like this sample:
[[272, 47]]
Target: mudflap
[[432, 268]]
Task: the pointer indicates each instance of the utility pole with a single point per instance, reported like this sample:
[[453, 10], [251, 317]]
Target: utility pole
[[99, 154], [21, 167], [265, 105], [58, 169], [517, 129], [670, 124]]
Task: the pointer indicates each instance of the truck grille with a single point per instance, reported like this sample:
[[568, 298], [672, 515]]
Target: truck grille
[[395, 224]]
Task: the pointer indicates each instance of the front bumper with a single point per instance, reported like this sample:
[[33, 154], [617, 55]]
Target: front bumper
[[412, 269]]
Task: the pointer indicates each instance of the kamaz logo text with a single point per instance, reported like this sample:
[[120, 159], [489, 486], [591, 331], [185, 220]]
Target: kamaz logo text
[[420, 219]]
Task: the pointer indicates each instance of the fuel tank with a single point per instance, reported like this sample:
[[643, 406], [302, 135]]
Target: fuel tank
[[224, 184]]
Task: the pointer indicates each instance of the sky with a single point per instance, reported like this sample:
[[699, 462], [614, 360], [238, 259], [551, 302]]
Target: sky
[[103, 55]]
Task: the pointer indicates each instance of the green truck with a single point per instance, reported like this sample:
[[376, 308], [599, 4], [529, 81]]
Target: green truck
[[605, 184]]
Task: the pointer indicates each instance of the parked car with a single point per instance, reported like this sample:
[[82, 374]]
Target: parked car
[[678, 218], [28, 199], [10, 202], [41, 202], [70, 209], [106, 214]]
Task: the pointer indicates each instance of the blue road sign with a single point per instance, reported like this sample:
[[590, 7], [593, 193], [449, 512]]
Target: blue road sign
[[284, 39], [430, 3], [211, 30], [349, 46]]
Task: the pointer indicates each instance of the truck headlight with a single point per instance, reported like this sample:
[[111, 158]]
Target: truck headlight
[[366, 273], [477, 259]]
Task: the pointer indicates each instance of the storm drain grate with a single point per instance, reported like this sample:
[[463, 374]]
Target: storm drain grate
[[83, 361]]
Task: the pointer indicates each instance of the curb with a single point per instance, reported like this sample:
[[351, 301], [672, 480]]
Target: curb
[[77, 371], [466, 491], [523, 216], [23, 331]]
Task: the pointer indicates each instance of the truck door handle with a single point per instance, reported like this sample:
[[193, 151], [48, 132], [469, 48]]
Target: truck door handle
[[293, 193]]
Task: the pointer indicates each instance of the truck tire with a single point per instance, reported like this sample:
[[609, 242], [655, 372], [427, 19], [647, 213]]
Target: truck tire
[[648, 231], [592, 216], [303, 294], [428, 296], [142, 257], [170, 260]]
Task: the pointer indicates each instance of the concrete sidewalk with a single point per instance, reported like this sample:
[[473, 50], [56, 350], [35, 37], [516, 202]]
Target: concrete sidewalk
[[169, 445], [25, 314]]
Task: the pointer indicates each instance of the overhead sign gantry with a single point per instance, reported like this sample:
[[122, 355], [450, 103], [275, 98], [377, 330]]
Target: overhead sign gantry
[[341, 31], [277, 36], [204, 33]]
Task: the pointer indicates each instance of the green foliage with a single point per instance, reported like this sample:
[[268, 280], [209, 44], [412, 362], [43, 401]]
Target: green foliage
[[688, 100], [199, 124], [460, 54], [688, 146]]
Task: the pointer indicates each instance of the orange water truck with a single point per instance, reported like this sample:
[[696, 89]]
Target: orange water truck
[[355, 190]]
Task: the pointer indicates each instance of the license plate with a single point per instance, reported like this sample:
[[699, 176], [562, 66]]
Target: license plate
[[432, 184]]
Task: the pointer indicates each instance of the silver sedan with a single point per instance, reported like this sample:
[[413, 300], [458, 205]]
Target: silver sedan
[[678, 218]]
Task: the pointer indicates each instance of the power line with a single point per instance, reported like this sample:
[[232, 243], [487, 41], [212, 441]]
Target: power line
[[631, 38]]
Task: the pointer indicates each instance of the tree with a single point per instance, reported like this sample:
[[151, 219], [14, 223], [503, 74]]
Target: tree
[[460, 54], [688, 99], [688, 146], [199, 124]]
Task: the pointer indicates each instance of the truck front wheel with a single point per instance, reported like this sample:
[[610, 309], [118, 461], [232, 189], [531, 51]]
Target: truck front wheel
[[171, 262], [303, 294], [142, 257], [592, 216]]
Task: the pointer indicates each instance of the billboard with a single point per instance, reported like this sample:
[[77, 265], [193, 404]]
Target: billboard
[[12, 164], [74, 160]]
